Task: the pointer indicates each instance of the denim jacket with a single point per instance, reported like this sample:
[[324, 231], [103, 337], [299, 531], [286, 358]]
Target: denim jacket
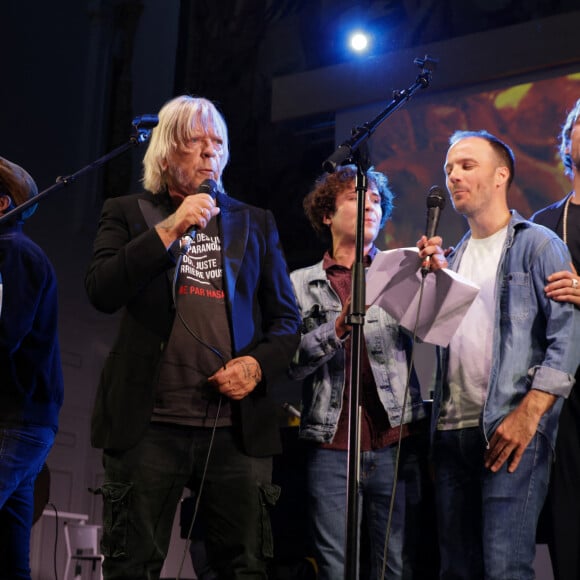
[[320, 359], [536, 341]]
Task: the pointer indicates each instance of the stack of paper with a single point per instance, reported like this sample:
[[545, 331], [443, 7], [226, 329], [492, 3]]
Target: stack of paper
[[394, 282]]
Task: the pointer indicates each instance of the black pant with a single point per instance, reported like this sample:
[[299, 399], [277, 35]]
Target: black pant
[[142, 489], [560, 526]]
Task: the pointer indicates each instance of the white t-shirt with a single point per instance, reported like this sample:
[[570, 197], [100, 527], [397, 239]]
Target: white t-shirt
[[470, 348]]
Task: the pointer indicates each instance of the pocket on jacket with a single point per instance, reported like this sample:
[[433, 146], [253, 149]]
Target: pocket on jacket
[[515, 296]]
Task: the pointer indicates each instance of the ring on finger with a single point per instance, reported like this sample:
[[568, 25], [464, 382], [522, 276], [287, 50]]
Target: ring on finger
[[574, 283]]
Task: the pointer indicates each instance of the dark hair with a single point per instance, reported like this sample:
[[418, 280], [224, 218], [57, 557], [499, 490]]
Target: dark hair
[[18, 185], [321, 201], [501, 149], [565, 137]]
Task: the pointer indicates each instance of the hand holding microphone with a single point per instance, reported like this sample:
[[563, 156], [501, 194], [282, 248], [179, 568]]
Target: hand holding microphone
[[202, 210], [435, 204]]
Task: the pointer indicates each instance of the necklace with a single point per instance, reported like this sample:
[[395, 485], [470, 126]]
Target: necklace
[[565, 219]]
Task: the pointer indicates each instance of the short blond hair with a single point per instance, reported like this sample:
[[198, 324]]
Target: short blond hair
[[179, 119]]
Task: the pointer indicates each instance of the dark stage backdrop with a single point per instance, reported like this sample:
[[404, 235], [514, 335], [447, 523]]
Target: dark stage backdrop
[[410, 147]]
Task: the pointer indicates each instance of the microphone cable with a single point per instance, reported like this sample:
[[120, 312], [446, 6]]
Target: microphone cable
[[55, 545], [219, 355], [435, 204], [399, 442]]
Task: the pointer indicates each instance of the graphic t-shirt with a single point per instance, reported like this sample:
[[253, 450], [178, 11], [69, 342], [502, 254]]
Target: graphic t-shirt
[[199, 336]]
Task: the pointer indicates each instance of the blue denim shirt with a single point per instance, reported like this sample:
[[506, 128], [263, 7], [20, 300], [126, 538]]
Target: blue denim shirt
[[536, 341], [320, 359]]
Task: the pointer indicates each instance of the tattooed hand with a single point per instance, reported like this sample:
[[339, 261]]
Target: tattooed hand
[[239, 377]]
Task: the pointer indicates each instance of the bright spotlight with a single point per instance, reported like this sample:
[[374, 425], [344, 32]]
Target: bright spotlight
[[359, 41]]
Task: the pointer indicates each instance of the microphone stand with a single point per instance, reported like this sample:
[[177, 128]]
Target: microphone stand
[[348, 152], [142, 127]]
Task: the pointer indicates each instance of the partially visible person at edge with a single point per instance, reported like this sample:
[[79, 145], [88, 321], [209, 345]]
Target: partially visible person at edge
[[323, 362], [176, 371], [560, 521], [31, 382], [502, 380]]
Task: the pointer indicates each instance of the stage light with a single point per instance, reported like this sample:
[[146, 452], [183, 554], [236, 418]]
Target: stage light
[[359, 41]]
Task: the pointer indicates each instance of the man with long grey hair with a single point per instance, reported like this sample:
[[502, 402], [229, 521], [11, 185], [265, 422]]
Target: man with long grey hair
[[184, 397]]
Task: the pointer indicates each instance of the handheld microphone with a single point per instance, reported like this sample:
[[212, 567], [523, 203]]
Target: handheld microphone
[[435, 204], [208, 186]]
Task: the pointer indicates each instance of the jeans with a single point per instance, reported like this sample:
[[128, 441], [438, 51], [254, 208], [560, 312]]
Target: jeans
[[144, 484], [23, 450], [487, 521], [407, 556]]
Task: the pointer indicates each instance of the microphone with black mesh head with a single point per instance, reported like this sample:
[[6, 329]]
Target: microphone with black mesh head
[[208, 186], [435, 204]]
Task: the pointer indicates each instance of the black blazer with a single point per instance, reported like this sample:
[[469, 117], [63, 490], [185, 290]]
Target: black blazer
[[132, 270]]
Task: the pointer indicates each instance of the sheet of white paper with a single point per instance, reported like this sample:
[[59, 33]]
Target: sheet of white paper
[[393, 281]]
